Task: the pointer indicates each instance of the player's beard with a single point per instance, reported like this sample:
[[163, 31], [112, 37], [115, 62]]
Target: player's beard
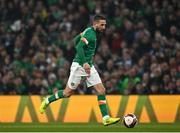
[[99, 35], [101, 31]]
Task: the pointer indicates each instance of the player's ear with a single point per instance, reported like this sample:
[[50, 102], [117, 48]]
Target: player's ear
[[95, 23]]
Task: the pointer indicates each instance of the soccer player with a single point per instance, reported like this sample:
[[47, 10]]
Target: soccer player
[[82, 66]]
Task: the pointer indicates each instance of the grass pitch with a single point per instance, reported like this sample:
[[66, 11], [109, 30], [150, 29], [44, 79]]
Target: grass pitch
[[88, 127]]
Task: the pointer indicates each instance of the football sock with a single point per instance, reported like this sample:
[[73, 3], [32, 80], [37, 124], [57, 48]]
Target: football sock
[[55, 97], [102, 106]]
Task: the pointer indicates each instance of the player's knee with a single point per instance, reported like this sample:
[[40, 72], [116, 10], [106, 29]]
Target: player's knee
[[68, 94], [101, 91]]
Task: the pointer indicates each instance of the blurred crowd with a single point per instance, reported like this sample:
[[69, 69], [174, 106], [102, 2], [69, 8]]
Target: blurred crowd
[[139, 53]]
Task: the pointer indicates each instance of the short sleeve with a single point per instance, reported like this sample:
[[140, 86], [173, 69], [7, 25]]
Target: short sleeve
[[87, 37]]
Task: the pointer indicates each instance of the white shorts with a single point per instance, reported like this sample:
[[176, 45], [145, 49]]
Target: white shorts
[[77, 72]]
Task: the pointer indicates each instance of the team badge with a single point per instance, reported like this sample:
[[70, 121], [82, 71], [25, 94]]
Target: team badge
[[72, 84]]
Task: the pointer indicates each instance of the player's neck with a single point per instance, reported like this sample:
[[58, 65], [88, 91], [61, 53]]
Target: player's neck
[[94, 27]]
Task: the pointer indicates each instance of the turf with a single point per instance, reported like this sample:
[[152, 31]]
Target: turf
[[90, 127]]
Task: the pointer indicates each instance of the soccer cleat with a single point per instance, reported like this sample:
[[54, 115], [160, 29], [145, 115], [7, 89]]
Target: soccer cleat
[[110, 121], [43, 106]]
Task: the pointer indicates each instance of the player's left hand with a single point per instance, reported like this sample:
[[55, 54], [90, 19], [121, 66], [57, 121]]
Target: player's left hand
[[87, 68]]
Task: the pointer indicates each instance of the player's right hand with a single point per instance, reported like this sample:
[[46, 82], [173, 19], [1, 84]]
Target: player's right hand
[[87, 68]]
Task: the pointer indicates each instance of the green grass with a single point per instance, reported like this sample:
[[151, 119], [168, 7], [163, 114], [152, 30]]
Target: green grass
[[91, 127]]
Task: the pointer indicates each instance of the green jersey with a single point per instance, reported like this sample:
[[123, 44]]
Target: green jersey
[[85, 46]]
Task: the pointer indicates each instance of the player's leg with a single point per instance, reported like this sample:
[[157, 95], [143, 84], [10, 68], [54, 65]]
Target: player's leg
[[72, 84], [95, 81], [102, 100], [67, 92], [107, 120]]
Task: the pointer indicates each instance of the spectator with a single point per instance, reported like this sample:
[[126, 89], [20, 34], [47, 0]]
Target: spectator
[[138, 54], [127, 86], [53, 84], [19, 87]]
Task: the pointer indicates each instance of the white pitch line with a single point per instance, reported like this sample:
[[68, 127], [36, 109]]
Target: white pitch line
[[91, 132], [59, 125], [49, 126]]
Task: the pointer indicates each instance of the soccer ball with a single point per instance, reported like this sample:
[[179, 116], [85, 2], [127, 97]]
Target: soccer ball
[[130, 120]]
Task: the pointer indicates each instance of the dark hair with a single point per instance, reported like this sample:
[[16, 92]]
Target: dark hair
[[99, 17]]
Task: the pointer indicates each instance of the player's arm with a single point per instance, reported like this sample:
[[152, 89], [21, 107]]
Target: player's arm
[[80, 50], [82, 43], [77, 38]]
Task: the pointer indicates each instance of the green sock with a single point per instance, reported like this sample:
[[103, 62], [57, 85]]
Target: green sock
[[55, 97], [102, 105]]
